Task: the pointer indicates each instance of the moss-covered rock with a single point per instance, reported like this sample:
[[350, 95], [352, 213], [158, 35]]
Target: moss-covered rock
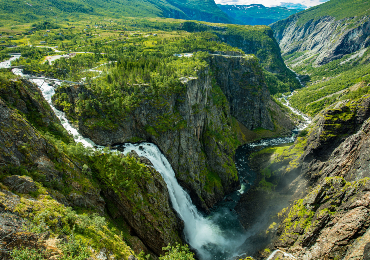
[[326, 173]]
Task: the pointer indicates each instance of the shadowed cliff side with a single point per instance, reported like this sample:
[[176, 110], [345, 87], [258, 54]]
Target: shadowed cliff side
[[326, 173]]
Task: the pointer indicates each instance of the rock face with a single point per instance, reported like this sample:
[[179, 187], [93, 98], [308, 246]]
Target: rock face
[[326, 37], [242, 83], [153, 221], [330, 218], [20, 184], [23, 148], [201, 149]]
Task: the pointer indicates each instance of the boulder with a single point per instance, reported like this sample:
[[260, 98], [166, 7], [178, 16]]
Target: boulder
[[20, 184]]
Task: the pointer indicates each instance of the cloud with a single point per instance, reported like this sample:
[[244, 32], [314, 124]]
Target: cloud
[[270, 3]]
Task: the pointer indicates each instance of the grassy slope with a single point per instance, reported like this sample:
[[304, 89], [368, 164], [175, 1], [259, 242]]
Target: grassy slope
[[33, 10], [336, 8], [332, 82]]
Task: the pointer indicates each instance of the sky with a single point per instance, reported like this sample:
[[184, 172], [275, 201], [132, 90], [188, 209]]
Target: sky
[[270, 3]]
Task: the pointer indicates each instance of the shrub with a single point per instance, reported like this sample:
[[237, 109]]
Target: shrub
[[26, 254], [177, 252]]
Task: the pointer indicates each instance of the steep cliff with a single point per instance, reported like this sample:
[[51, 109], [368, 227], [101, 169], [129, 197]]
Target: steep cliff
[[241, 80], [193, 124], [327, 46], [326, 173], [326, 38], [47, 182], [257, 40]]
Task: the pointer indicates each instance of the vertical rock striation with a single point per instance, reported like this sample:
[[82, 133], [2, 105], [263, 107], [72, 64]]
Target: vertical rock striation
[[326, 37]]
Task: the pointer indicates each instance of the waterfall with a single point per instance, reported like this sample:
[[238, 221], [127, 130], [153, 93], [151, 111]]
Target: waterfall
[[203, 234], [214, 237]]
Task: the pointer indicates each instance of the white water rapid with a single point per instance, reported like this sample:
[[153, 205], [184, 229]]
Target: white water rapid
[[214, 238], [307, 120], [8, 63]]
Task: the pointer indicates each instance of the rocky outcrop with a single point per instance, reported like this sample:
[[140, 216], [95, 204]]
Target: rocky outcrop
[[23, 149], [148, 212], [258, 41], [328, 221], [20, 184], [327, 174], [241, 80], [326, 37]]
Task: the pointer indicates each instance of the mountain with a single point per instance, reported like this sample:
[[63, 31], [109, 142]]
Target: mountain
[[32, 10], [257, 14], [328, 46]]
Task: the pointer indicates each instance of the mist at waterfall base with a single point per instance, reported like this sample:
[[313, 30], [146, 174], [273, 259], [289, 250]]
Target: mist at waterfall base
[[213, 237]]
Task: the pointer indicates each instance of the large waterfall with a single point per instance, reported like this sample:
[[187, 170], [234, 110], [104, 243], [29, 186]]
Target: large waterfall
[[203, 234], [214, 237]]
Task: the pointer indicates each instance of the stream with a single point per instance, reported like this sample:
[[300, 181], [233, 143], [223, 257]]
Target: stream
[[214, 237]]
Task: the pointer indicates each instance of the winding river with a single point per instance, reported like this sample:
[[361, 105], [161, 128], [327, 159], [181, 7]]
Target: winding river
[[216, 236]]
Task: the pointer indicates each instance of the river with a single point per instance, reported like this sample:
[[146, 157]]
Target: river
[[214, 237]]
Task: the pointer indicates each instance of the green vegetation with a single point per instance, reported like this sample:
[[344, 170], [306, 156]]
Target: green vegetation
[[336, 8], [177, 252], [35, 10], [338, 80]]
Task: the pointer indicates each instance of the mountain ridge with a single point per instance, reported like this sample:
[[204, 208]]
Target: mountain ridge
[[34, 10]]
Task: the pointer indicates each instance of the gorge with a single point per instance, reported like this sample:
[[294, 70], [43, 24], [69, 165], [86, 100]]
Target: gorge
[[183, 136]]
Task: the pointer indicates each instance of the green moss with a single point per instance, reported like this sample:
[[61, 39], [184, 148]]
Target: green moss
[[45, 214], [213, 181]]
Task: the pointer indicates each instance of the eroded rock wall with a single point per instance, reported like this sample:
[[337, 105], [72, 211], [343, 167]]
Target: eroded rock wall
[[329, 181], [327, 38]]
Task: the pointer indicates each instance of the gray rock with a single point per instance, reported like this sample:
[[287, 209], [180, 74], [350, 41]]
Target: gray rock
[[326, 37], [20, 184]]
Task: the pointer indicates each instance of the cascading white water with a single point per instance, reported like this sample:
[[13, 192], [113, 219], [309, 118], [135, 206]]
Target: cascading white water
[[307, 120], [48, 91], [203, 234], [8, 63]]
